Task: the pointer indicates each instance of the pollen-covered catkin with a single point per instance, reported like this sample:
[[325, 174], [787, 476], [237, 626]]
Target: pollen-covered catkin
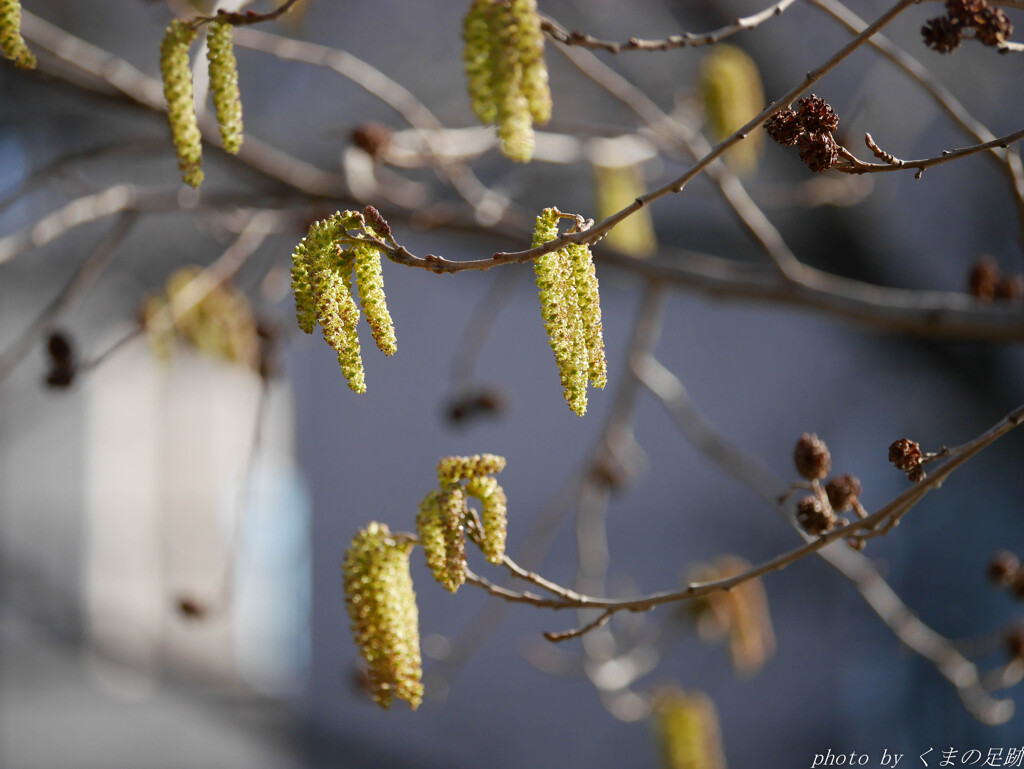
[[181, 108], [585, 282], [476, 54], [515, 124], [11, 42], [431, 524], [570, 307], [227, 101], [731, 86], [455, 469], [506, 73], [453, 508], [370, 281], [493, 516], [382, 608], [530, 43]]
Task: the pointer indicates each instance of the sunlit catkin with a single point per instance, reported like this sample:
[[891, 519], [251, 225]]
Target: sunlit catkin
[[11, 42], [530, 44], [456, 468], [506, 72], [227, 102], [370, 281], [382, 608], [686, 729], [585, 283], [570, 307], [493, 516], [453, 511], [476, 54], [431, 527], [181, 108]]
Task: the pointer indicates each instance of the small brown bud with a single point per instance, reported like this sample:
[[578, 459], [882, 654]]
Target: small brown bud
[[813, 517], [905, 454], [192, 609], [372, 138], [1003, 568], [811, 457], [916, 474], [842, 491], [984, 277], [1009, 288], [1015, 644]]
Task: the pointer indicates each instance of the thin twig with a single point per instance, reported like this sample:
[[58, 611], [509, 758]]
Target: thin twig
[[243, 19], [685, 40], [83, 277], [853, 165]]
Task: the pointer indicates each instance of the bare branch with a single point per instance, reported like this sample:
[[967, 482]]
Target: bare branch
[[853, 165], [685, 40]]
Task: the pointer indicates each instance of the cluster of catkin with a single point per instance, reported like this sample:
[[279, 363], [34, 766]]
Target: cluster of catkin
[[322, 269], [571, 308], [385, 620], [443, 519], [11, 42], [378, 587], [181, 108], [506, 72]]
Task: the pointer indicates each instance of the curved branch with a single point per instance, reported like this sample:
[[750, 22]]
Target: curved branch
[[685, 40], [854, 165]]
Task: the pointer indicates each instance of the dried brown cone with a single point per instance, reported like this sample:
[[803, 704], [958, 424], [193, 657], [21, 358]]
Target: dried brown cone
[[1009, 288], [818, 151], [967, 13], [784, 127], [905, 454], [814, 517], [816, 115], [811, 457], [942, 35], [916, 474], [1003, 568], [993, 27], [842, 491], [984, 277]]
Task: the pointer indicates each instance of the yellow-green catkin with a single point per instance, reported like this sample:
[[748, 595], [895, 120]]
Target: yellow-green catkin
[[227, 101], [476, 54], [11, 42], [493, 515], [452, 502], [571, 312], [370, 281], [385, 621], [457, 468], [181, 107], [730, 84], [530, 43], [585, 281], [430, 524], [322, 284], [506, 72], [686, 729]]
